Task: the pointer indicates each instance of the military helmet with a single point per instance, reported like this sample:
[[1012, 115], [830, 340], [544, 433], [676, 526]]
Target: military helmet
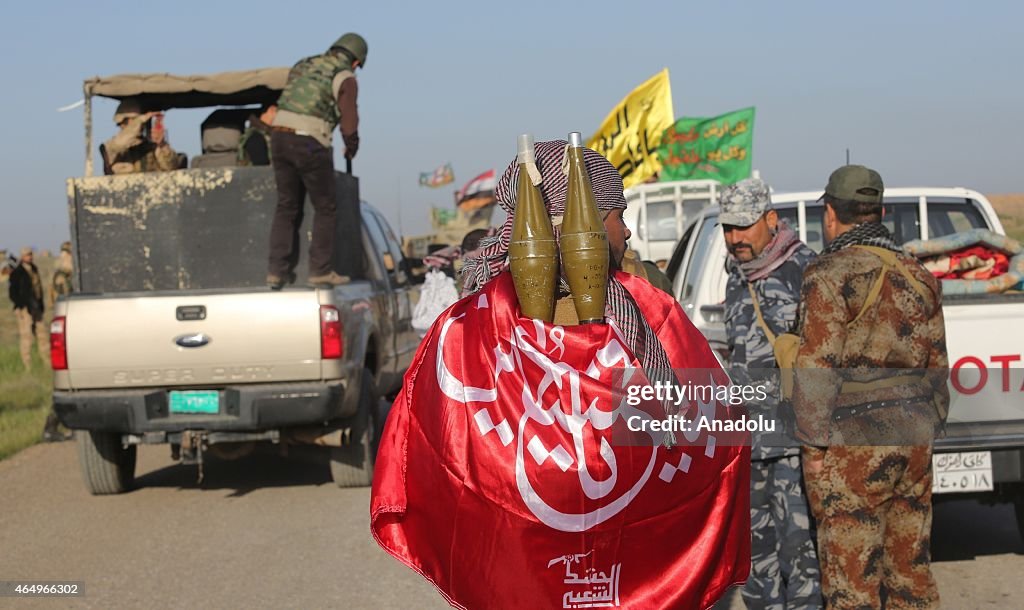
[[354, 44], [128, 108]]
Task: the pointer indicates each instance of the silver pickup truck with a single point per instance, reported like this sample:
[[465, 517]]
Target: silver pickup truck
[[172, 336], [982, 452], [202, 368]]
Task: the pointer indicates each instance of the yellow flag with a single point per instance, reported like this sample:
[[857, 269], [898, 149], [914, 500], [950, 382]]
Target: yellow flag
[[631, 133]]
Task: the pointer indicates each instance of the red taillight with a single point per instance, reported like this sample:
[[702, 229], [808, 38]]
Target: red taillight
[[331, 342], [58, 345]]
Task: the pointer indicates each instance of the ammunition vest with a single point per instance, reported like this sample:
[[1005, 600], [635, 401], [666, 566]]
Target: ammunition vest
[[243, 156], [309, 88]]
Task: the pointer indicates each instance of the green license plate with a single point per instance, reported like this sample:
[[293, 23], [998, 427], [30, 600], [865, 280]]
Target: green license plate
[[197, 401]]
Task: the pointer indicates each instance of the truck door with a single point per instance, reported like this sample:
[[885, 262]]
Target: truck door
[[403, 339]]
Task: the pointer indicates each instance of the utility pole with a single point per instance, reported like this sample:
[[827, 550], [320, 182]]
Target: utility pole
[[847, 156]]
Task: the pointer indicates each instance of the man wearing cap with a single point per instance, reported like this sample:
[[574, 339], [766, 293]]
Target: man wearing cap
[[867, 308], [25, 290], [137, 146], [320, 94], [766, 262]]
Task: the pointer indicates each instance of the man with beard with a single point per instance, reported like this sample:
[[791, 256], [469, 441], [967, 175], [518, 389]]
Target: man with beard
[[870, 394], [766, 265]]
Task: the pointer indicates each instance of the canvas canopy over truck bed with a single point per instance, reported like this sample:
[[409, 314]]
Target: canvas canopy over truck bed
[[162, 91]]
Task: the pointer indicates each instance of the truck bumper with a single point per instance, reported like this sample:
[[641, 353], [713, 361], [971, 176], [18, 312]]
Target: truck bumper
[[243, 408]]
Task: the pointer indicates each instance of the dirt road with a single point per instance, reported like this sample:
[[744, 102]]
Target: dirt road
[[272, 533]]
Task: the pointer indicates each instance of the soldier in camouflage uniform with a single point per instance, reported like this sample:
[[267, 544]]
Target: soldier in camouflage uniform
[[60, 283], [320, 94], [135, 149], [766, 262], [861, 314]]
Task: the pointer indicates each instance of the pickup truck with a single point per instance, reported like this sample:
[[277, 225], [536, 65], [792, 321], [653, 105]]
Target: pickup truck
[[982, 452], [657, 212], [172, 338]]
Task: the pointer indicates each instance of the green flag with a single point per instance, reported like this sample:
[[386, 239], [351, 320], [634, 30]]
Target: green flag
[[718, 148]]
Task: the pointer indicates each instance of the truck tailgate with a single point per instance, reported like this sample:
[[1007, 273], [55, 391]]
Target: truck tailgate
[[207, 338]]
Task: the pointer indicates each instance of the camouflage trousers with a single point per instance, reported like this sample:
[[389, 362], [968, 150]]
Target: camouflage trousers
[[27, 330], [873, 506], [784, 565]]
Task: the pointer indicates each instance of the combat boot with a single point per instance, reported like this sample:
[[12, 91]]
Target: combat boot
[[50, 432], [329, 279], [277, 282]]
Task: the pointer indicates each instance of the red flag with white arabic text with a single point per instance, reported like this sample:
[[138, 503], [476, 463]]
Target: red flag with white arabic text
[[499, 479]]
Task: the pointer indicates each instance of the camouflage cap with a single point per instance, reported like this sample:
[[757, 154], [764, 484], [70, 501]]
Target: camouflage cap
[[744, 203], [855, 183]]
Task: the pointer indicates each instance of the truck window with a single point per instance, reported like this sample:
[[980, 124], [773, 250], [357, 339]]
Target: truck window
[[946, 218], [661, 221], [815, 235], [701, 250], [680, 251], [386, 244]]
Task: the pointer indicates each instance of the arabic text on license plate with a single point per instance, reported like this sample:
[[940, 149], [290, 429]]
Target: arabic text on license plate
[[962, 472], [195, 401]]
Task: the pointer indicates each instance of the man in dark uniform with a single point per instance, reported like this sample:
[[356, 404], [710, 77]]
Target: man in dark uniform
[[320, 94], [25, 290]]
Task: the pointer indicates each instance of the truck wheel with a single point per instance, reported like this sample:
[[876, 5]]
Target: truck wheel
[[352, 465], [1018, 508], [107, 466]]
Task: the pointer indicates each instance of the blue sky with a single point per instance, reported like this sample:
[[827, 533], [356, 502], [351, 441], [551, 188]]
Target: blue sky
[[928, 93]]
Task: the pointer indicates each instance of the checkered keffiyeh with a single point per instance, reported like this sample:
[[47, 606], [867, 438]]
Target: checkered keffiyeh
[[492, 258]]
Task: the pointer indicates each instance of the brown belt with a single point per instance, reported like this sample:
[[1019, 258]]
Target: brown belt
[[282, 129]]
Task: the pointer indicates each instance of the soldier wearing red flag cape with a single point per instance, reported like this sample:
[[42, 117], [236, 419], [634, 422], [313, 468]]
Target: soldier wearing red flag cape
[[516, 471]]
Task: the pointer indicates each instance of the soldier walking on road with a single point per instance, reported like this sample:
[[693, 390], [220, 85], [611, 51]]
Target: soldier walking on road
[[320, 94], [766, 265], [869, 309]]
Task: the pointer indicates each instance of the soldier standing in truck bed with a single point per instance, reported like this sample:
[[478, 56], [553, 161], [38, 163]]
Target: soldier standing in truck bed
[[320, 94]]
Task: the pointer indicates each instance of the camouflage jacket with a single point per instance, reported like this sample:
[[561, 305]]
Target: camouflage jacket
[[309, 90], [902, 329], [750, 352], [128, 152]]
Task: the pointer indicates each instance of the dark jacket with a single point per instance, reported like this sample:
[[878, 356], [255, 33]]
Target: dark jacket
[[21, 292]]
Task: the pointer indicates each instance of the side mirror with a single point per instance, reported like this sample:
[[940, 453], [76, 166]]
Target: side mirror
[[713, 314]]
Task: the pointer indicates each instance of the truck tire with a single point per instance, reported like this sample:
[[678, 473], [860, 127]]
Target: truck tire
[[352, 465], [107, 466], [1018, 509]]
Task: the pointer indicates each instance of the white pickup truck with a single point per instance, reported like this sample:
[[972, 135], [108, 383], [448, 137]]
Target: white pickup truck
[[657, 213], [983, 449]]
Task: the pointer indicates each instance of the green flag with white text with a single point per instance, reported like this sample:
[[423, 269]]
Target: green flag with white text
[[718, 148]]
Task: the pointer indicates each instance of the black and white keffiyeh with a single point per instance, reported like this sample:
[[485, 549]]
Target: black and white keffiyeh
[[864, 234]]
